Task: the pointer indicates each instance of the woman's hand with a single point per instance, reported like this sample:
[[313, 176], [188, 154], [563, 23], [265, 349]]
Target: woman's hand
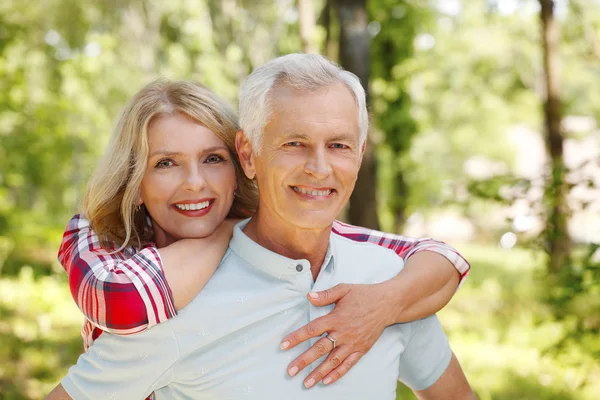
[[356, 322], [425, 285]]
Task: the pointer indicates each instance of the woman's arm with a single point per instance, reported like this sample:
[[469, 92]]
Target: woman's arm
[[132, 290], [189, 263], [432, 273]]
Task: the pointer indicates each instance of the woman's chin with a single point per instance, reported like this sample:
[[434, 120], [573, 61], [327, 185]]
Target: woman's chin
[[197, 233]]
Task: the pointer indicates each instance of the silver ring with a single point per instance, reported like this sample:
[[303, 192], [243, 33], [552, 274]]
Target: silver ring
[[331, 339]]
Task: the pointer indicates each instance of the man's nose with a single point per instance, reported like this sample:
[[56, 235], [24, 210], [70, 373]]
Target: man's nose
[[318, 164], [194, 180]]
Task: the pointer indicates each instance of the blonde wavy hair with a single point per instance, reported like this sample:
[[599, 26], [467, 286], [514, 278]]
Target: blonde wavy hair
[[109, 202]]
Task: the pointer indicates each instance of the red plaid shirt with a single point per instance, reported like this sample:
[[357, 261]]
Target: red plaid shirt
[[126, 292]]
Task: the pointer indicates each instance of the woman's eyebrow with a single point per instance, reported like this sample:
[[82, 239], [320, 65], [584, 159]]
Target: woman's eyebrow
[[166, 153]]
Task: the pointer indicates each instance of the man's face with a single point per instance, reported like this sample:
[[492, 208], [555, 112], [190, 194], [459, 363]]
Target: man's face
[[310, 156]]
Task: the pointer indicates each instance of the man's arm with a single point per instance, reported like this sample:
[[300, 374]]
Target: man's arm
[[452, 385], [429, 367], [122, 367], [59, 393]]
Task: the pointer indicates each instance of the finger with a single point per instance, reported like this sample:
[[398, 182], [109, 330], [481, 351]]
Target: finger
[[329, 296], [318, 350], [333, 361], [344, 367], [314, 328]]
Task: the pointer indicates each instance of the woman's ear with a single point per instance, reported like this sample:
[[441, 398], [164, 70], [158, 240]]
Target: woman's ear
[[243, 147], [139, 201]]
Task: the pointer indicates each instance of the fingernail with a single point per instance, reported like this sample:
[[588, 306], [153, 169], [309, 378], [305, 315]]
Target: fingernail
[[293, 370], [284, 345], [327, 380], [309, 383], [314, 295]]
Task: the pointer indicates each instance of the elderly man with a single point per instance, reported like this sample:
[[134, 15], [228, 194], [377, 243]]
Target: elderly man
[[304, 147]]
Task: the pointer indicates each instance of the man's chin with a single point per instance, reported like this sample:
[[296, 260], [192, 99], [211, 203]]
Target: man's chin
[[312, 220]]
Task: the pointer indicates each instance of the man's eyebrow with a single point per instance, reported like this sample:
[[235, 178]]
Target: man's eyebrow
[[343, 137], [165, 153], [338, 137], [294, 135]]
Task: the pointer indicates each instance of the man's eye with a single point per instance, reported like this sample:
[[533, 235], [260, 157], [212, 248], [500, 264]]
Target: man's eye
[[293, 144], [164, 164], [214, 158], [339, 146]]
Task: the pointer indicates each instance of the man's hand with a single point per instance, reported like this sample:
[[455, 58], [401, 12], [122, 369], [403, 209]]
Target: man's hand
[[356, 322]]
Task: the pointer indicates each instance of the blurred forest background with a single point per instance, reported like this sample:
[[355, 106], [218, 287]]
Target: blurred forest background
[[485, 134]]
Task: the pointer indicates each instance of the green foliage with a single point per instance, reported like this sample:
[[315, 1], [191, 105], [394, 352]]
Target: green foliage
[[67, 67], [39, 333], [445, 88], [392, 52]]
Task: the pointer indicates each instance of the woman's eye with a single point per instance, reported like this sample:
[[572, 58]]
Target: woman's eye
[[164, 164], [214, 158]]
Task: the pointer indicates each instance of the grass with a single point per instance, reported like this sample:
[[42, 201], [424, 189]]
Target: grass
[[503, 335]]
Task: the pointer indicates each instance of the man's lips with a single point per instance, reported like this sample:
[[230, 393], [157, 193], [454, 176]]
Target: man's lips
[[313, 191]]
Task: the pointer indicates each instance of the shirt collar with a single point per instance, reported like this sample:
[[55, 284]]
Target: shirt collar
[[271, 262]]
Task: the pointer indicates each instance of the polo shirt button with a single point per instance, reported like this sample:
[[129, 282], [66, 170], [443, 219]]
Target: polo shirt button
[[299, 267]]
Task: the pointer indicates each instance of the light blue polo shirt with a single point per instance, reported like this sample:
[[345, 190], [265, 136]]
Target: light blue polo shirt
[[225, 343]]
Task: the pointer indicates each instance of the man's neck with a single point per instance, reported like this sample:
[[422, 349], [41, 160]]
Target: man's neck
[[290, 241]]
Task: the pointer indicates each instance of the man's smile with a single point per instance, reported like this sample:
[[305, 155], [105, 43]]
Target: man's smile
[[305, 191]]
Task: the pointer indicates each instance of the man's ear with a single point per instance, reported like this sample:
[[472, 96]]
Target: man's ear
[[362, 153], [245, 153]]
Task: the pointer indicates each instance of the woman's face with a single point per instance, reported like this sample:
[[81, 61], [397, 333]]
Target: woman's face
[[189, 180]]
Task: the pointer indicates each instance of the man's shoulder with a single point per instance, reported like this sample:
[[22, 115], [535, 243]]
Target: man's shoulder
[[364, 259], [361, 242]]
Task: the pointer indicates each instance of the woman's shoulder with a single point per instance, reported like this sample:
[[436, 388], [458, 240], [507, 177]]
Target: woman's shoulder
[[79, 231]]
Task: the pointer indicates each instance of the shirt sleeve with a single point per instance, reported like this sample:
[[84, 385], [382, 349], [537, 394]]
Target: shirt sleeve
[[426, 356], [121, 292], [124, 367], [404, 246]]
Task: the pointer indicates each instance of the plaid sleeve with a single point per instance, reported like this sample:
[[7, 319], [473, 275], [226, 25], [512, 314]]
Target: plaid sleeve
[[123, 292], [404, 246]]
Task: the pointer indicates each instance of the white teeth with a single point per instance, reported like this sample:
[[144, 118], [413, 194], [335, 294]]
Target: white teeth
[[192, 207], [312, 192]]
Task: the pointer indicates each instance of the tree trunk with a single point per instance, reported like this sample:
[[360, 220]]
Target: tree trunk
[[326, 21], [558, 240], [355, 57], [306, 21]]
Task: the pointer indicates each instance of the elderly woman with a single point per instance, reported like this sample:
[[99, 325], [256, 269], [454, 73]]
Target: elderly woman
[[155, 224]]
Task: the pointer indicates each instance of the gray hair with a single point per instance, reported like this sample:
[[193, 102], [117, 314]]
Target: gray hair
[[300, 71]]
